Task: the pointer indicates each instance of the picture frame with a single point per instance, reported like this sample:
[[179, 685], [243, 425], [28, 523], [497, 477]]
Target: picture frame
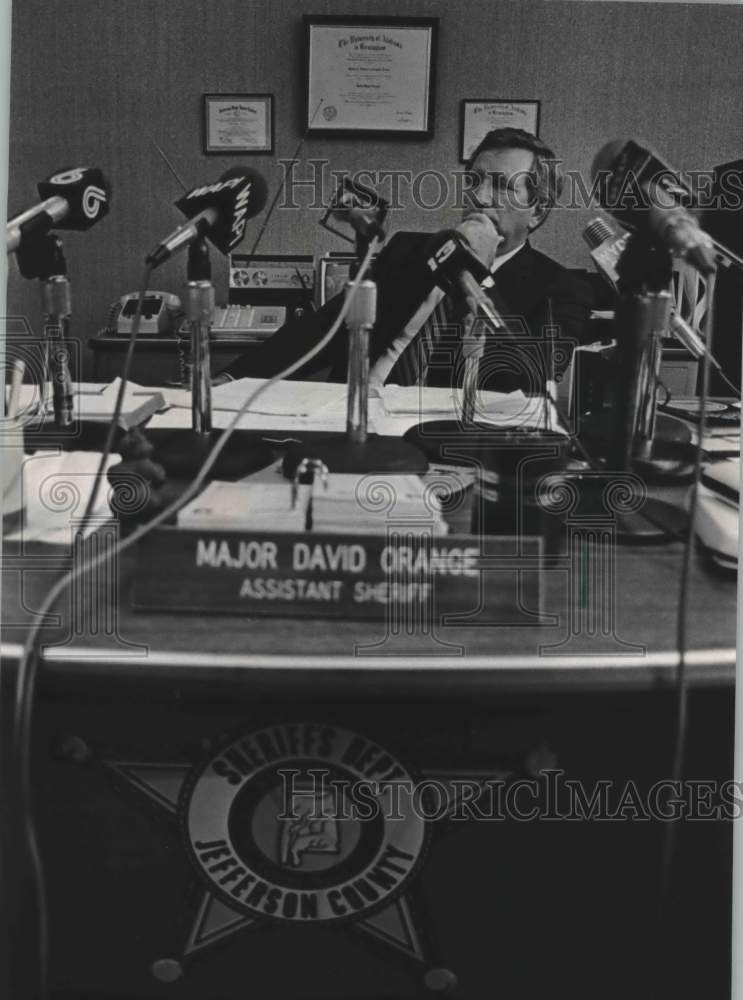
[[478, 116], [238, 123], [370, 76], [334, 270]]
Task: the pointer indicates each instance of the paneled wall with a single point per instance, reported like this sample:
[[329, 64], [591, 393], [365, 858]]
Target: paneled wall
[[101, 81]]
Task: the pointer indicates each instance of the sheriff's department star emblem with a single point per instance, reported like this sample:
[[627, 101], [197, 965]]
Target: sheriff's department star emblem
[[296, 823]]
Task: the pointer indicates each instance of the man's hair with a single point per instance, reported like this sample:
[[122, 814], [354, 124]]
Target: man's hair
[[546, 176]]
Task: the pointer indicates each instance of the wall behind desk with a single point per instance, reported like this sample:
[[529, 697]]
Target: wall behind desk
[[99, 82]]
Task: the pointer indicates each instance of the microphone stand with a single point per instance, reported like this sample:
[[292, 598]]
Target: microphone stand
[[358, 451], [658, 447], [43, 258], [200, 314], [360, 320], [181, 452]]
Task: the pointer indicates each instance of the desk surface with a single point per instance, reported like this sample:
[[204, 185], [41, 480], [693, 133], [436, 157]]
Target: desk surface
[[608, 619]]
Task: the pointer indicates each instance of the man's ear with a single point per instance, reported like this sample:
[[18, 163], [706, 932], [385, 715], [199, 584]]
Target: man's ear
[[541, 210]]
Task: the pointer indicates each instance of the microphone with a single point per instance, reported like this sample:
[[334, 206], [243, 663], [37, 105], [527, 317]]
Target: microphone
[[644, 193], [605, 248], [360, 206], [72, 198], [690, 339], [457, 270], [218, 211]]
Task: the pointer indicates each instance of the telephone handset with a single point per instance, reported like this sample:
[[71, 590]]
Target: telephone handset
[[161, 314]]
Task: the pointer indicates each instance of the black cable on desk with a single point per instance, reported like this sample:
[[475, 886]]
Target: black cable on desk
[[668, 848], [28, 666]]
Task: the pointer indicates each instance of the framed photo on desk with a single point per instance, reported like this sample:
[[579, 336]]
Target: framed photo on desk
[[370, 75]]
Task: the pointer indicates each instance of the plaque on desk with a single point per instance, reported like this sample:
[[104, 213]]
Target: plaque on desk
[[400, 575]]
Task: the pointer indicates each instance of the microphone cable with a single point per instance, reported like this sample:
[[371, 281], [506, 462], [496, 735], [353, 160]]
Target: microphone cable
[[30, 662], [26, 680], [118, 404], [681, 708]]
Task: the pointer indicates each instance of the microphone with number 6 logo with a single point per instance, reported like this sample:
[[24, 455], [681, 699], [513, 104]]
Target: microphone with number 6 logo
[[73, 198]]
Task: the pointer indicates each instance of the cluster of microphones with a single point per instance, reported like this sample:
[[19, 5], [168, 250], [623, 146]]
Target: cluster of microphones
[[77, 198]]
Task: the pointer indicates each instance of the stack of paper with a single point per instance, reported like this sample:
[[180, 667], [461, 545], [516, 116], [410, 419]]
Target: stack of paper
[[349, 504], [138, 404], [249, 506], [375, 504], [56, 487], [92, 401], [406, 406], [718, 511], [285, 406]]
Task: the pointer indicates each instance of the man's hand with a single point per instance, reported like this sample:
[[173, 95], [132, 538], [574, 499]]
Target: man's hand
[[481, 235]]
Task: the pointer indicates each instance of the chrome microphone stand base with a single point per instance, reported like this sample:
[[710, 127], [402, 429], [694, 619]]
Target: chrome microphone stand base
[[670, 458], [376, 455], [655, 523], [357, 451], [183, 451]]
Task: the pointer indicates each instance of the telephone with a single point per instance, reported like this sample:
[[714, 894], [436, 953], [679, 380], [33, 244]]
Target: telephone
[[161, 314]]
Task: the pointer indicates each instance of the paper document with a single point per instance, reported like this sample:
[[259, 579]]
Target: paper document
[[251, 506], [55, 491], [402, 407], [348, 504], [376, 503], [286, 398], [93, 401]]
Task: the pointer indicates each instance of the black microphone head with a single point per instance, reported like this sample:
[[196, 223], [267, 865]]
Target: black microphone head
[[238, 195], [630, 178], [86, 191], [448, 253], [607, 156]]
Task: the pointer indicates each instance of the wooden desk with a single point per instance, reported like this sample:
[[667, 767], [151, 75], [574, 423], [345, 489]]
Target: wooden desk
[[132, 706], [484, 655]]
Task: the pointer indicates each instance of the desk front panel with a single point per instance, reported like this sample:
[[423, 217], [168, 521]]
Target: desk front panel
[[503, 885]]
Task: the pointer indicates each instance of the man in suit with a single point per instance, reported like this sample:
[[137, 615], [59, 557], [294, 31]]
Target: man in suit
[[515, 183]]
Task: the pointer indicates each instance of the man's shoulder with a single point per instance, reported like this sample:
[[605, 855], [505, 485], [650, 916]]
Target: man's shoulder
[[405, 240], [403, 254], [542, 263], [550, 273]]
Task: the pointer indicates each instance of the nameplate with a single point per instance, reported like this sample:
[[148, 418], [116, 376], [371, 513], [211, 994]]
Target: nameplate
[[333, 575]]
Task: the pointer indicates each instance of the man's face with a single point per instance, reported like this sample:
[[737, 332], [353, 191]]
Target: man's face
[[503, 192]]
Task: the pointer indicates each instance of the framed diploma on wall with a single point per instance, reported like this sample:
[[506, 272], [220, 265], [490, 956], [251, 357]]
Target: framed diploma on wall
[[370, 75], [238, 123], [477, 118]]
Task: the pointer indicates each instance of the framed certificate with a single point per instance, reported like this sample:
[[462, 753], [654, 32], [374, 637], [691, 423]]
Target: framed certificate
[[370, 75], [238, 123], [477, 118]]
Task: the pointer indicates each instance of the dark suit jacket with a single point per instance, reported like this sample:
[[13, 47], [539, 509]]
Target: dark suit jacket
[[533, 293]]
